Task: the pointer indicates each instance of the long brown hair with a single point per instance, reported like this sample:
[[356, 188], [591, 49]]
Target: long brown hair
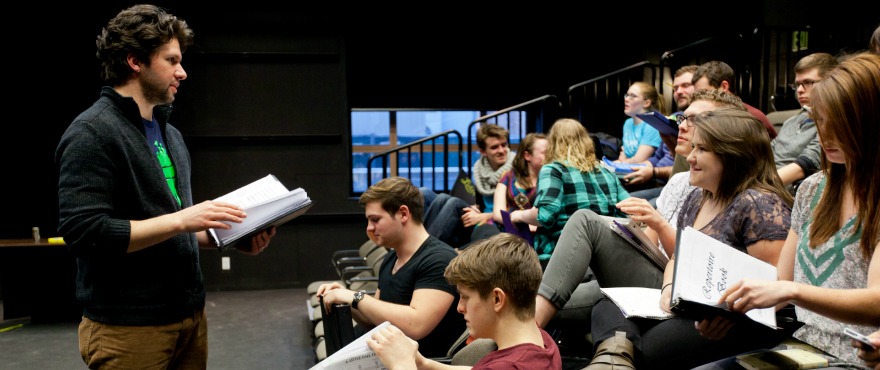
[[741, 143], [846, 107], [520, 166]]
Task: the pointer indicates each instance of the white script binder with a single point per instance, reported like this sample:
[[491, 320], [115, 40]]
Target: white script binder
[[267, 203]]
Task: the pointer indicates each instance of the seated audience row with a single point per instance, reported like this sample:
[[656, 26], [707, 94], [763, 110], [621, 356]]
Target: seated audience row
[[836, 213], [566, 296], [740, 201], [732, 192]]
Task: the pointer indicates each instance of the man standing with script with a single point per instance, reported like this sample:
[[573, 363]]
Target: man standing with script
[[126, 208]]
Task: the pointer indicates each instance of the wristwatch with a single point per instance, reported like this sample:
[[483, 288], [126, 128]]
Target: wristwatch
[[358, 296]]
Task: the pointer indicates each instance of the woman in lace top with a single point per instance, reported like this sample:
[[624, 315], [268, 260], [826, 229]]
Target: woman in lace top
[[739, 201]]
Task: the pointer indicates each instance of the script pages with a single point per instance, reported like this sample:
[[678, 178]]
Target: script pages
[[355, 356], [705, 268], [637, 302], [633, 233], [267, 203]]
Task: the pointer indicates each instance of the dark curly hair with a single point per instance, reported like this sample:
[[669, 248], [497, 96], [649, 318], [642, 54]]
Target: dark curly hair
[[139, 30]]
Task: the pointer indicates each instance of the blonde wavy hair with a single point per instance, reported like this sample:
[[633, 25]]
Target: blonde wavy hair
[[569, 141]]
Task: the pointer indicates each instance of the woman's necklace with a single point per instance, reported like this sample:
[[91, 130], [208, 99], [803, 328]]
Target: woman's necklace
[[521, 199]]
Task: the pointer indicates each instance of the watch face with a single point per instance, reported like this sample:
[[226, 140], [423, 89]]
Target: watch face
[[358, 296]]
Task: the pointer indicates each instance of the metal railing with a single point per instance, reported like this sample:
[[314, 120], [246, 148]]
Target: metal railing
[[597, 103], [394, 163], [519, 120]]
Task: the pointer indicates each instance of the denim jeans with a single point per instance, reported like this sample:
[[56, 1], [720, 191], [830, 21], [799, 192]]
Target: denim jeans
[[428, 195], [443, 220]]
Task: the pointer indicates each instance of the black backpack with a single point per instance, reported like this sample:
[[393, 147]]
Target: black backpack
[[606, 145]]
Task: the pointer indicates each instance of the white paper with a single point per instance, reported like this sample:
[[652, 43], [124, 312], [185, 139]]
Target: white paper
[[706, 267], [267, 202], [357, 355], [258, 192], [638, 302]]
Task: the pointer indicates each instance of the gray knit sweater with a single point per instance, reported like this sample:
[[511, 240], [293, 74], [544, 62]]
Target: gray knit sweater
[[108, 176]]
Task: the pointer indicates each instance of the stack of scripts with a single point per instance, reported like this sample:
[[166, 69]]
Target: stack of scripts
[[356, 355], [619, 168], [705, 268], [267, 203]]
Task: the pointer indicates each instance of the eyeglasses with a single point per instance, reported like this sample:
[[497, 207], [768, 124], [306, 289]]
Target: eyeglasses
[[806, 84], [681, 118], [631, 96]]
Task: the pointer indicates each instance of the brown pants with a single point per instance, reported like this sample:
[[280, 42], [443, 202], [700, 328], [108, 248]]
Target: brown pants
[[180, 345]]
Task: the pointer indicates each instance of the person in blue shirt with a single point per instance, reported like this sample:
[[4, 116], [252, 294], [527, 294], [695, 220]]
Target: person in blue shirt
[[640, 140], [661, 168]]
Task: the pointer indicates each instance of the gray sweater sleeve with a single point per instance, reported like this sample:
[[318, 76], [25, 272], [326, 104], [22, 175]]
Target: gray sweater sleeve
[[809, 158]]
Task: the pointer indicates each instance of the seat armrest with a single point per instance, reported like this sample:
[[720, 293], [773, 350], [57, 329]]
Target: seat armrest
[[344, 253], [350, 260], [361, 279], [347, 262], [364, 278], [352, 271]]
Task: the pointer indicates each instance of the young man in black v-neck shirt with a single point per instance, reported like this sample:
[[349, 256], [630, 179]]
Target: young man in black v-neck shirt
[[413, 295]]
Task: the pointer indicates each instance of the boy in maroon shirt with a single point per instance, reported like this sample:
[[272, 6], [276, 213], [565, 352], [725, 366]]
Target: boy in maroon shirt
[[497, 279]]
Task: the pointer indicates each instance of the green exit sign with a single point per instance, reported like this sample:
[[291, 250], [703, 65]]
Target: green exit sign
[[800, 40]]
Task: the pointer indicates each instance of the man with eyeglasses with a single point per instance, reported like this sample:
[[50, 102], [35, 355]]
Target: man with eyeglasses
[[796, 149], [662, 161]]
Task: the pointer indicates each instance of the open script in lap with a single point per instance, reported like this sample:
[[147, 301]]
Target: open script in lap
[[356, 355], [267, 203], [705, 268], [638, 302]]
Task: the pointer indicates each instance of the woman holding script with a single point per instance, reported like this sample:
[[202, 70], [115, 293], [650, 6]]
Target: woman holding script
[[836, 214], [739, 201], [563, 297]]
